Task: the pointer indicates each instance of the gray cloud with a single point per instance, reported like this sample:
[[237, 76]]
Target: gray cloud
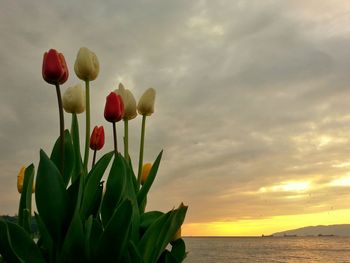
[[249, 95]]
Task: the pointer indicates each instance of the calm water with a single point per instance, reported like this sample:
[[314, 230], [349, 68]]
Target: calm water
[[275, 249]]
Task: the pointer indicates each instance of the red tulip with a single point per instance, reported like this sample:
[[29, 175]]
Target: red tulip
[[114, 109], [97, 139], [55, 70]]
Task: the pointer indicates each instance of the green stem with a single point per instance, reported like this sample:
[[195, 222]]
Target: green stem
[[87, 124], [126, 139], [60, 109], [115, 139], [76, 144], [142, 143], [93, 159]]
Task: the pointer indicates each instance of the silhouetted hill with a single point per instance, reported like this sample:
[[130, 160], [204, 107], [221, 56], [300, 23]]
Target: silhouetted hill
[[336, 230]]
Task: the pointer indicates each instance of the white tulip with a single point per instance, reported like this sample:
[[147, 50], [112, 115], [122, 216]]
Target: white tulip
[[129, 102], [74, 99], [146, 103], [86, 65]]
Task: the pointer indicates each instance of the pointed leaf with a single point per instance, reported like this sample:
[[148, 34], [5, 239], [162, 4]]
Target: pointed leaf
[[45, 236], [147, 185], [27, 219], [69, 158], [114, 189], [148, 218], [160, 233], [73, 246], [178, 249], [150, 253], [130, 193], [26, 198], [92, 183], [88, 230], [167, 257], [134, 178], [23, 245], [113, 243], [134, 254], [6, 249], [51, 198], [73, 193], [95, 234]]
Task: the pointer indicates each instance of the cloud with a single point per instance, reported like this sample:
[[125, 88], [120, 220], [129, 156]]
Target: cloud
[[249, 95]]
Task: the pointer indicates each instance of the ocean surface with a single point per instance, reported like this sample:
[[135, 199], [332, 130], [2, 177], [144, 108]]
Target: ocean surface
[[268, 249]]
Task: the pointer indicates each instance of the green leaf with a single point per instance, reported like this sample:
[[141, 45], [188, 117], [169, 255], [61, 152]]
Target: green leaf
[[178, 249], [114, 189], [97, 204], [112, 245], [25, 202], [45, 237], [133, 176], [130, 193], [78, 166], [148, 218], [167, 257], [73, 246], [149, 246], [6, 249], [73, 197], [160, 233], [23, 245], [142, 194], [51, 198], [69, 158], [99, 168], [91, 196], [134, 254], [93, 236], [27, 219], [88, 229], [120, 184]]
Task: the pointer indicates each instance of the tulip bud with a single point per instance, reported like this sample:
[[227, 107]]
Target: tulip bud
[[146, 102], [97, 139], [20, 180], [146, 168], [114, 108], [74, 99], [129, 102], [86, 65], [177, 235], [55, 70]]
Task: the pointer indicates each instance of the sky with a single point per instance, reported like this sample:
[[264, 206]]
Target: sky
[[252, 107]]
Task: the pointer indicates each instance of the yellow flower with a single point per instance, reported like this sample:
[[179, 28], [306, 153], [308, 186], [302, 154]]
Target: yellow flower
[[20, 179], [146, 102], [177, 235], [74, 99], [86, 65], [146, 168], [129, 102]]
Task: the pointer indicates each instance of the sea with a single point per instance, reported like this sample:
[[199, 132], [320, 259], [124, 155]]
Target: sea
[[311, 249]]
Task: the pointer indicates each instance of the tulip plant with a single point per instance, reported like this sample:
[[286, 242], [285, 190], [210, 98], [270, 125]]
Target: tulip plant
[[81, 218]]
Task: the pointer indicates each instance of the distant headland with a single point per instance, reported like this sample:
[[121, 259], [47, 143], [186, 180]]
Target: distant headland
[[320, 230]]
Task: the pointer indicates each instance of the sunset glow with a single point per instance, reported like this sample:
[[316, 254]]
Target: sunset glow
[[287, 187], [252, 110], [342, 181], [267, 226]]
